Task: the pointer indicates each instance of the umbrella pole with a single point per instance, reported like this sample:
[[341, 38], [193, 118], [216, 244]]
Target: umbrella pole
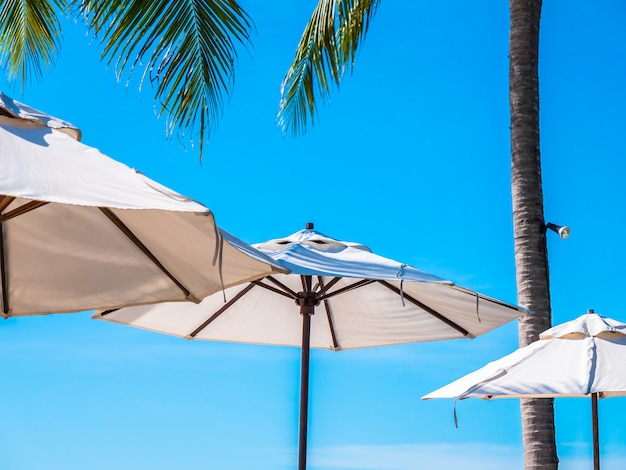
[[304, 391], [596, 440], [307, 308], [4, 286]]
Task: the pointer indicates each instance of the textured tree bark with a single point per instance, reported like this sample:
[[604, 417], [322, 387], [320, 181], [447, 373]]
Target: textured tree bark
[[531, 263]]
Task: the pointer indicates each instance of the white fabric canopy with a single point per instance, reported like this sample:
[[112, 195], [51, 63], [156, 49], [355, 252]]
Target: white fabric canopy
[[47, 165], [400, 304], [338, 296], [584, 357], [81, 231], [574, 359]]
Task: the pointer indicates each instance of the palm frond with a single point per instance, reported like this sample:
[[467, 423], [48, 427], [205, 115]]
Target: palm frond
[[326, 50], [355, 17], [29, 36], [186, 48]]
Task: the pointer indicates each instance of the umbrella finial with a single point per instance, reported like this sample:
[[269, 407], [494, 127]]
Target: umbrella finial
[[590, 311], [309, 225]]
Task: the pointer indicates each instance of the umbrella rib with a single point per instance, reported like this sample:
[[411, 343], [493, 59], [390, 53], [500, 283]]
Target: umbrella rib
[[476, 294], [426, 308], [3, 273], [106, 312], [325, 288], [361, 283], [144, 249], [29, 206], [329, 315], [225, 307], [287, 292], [6, 201], [273, 289]]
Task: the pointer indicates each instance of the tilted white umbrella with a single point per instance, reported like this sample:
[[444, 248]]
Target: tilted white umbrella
[[81, 231], [364, 300], [584, 357]]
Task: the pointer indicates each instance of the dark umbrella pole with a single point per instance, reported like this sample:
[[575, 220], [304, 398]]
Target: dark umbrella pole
[[307, 301], [596, 438]]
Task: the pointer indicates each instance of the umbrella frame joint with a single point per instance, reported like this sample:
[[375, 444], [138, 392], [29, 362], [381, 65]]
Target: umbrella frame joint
[[307, 300]]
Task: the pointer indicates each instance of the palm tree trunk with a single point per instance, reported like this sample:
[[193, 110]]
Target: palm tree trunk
[[529, 231]]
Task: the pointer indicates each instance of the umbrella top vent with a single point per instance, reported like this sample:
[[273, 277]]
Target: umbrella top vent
[[311, 239], [589, 324], [27, 115], [309, 252]]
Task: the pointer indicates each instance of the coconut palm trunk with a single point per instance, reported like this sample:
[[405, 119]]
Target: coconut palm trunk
[[327, 50], [531, 262]]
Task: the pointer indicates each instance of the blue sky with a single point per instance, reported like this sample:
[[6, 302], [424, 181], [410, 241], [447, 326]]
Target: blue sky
[[412, 158]]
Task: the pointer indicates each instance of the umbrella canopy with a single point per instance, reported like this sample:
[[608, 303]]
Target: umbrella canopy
[[584, 357], [364, 300], [81, 231]]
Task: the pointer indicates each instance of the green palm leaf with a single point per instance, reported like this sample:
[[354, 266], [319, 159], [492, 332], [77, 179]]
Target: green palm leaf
[[29, 36], [326, 50], [185, 48]]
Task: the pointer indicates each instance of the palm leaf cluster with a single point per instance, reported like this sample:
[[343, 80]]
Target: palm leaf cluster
[[29, 36], [185, 48], [325, 52]]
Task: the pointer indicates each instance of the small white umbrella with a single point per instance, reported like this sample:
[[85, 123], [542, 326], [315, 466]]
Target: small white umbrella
[[584, 357], [365, 300], [81, 231]]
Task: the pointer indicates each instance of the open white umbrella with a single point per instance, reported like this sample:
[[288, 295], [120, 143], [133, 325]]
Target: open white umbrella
[[81, 231], [364, 300], [581, 358]]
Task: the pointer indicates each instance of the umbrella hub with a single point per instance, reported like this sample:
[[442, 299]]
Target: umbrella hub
[[307, 300]]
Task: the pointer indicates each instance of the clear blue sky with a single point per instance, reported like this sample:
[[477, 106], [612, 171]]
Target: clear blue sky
[[412, 158]]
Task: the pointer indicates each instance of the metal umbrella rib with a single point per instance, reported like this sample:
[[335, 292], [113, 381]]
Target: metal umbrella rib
[[348, 288], [286, 291], [4, 204], [426, 308], [29, 206], [144, 249], [324, 287], [226, 306], [329, 314]]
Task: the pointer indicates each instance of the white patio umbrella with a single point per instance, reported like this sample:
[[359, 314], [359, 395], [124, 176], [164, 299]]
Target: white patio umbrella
[[364, 300], [81, 231], [581, 358]]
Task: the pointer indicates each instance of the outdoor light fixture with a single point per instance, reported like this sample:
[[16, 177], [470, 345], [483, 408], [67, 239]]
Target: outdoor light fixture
[[562, 231]]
